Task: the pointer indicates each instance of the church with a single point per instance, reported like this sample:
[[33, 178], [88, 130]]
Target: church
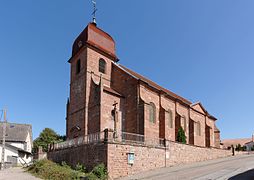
[[122, 119], [107, 95]]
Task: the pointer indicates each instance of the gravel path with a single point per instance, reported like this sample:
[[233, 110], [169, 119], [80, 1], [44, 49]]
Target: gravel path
[[16, 174]]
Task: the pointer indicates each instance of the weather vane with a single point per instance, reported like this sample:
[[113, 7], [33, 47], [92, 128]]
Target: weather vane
[[94, 11]]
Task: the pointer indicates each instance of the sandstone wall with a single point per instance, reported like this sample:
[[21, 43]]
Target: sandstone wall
[[148, 158], [89, 155], [115, 156], [183, 154]]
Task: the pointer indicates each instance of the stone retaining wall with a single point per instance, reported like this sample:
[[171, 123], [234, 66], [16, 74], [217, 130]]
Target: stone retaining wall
[[89, 155], [115, 156], [147, 158], [183, 154]]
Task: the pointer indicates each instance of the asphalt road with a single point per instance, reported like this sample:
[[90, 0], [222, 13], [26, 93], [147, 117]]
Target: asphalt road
[[234, 168]]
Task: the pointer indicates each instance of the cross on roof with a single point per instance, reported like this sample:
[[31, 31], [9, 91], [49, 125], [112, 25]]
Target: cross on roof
[[94, 11]]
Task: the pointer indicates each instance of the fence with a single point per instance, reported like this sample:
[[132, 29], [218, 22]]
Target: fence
[[88, 139], [109, 136]]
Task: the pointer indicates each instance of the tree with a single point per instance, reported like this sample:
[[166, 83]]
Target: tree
[[181, 136], [238, 147], [46, 137]]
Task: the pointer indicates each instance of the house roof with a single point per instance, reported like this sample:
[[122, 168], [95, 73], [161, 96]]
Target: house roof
[[16, 132], [15, 148], [154, 85], [251, 142]]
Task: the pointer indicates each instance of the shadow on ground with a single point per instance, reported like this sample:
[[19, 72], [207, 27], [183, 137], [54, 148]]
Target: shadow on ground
[[245, 175]]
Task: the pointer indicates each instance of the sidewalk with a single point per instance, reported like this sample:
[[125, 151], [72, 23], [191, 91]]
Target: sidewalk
[[17, 173]]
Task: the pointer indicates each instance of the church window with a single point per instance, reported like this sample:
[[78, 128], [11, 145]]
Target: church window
[[102, 66], [169, 117], [78, 67], [152, 112]]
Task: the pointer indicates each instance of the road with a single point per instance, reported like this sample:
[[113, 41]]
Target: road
[[234, 168], [16, 173]]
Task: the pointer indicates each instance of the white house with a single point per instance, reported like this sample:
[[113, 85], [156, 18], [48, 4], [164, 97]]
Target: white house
[[18, 144], [249, 145]]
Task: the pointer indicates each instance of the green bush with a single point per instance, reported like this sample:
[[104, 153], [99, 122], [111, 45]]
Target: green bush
[[181, 136], [80, 168], [238, 147], [46, 169], [98, 172]]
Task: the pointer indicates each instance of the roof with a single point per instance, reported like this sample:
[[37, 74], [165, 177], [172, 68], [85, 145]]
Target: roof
[[16, 132], [251, 142], [154, 85], [16, 148], [112, 91], [97, 38]]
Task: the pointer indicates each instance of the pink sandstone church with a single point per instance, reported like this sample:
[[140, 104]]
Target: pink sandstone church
[[106, 95], [120, 118]]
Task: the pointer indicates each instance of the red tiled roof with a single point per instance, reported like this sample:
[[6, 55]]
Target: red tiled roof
[[156, 86]]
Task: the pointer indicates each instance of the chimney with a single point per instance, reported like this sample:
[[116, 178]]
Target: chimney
[[252, 137]]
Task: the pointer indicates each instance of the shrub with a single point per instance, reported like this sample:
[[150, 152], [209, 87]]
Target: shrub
[[49, 170], [98, 172], [80, 168], [181, 136], [238, 147]]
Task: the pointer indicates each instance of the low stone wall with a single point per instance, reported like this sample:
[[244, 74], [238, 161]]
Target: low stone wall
[[145, 158], [115, 156], [89, 155], [178, 153], [148, 158]]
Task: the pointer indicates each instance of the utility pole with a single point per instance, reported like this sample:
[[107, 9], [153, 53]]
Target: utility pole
[[3, 141]]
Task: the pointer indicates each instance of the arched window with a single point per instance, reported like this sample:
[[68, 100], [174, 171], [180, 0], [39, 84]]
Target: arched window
[[152, 112], [169, 116], [102, 66], [198, 129], [78, 67]]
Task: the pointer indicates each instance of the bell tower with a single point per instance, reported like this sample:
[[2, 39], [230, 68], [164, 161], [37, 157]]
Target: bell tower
[[93, 52]]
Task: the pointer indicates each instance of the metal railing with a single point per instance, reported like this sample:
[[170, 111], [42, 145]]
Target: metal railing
[[88, 139], [131, 137], [110, 136], [141, 139]]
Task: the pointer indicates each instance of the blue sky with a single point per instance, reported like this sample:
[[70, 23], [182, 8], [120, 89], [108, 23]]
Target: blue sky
[[201, 50]]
